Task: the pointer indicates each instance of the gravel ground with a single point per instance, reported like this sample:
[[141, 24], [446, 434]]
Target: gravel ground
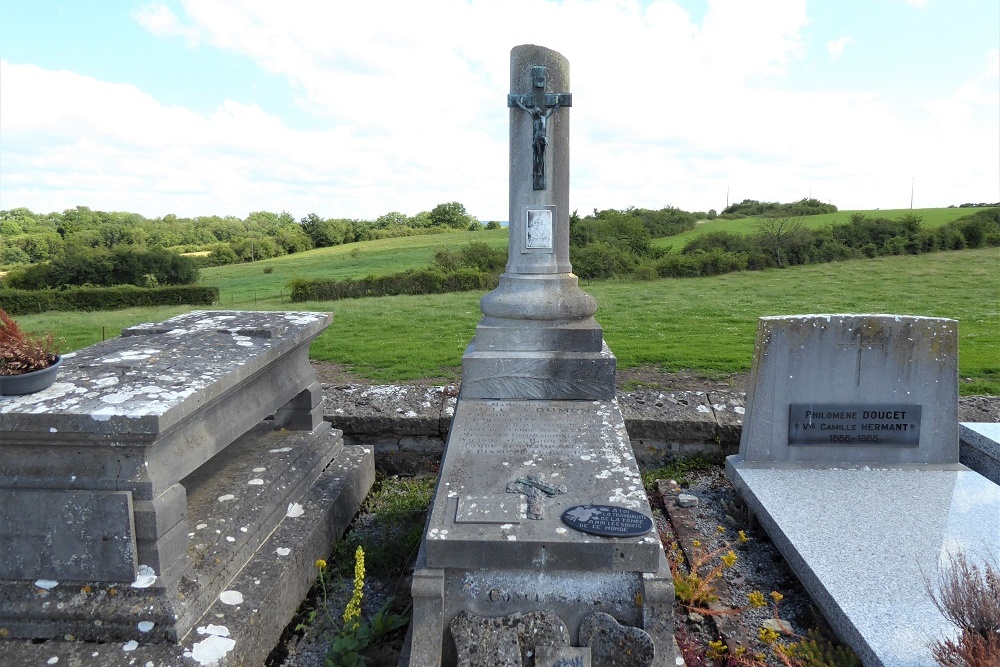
[[759, 567], [308, 648], [715, 523]]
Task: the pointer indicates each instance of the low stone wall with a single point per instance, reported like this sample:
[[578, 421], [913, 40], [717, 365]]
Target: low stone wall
[[407, 425]]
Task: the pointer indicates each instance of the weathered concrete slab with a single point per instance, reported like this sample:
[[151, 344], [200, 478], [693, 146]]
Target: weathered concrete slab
[[150, 478], [581, 445], [864, 542], [485, 554]]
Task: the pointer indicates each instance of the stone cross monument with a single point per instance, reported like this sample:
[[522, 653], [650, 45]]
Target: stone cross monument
[[539, 539], [538, 338]]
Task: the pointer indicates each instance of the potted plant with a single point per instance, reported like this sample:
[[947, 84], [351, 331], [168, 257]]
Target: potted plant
[[27, 363]]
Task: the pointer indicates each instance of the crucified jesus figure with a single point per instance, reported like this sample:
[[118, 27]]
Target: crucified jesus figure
[[539, 140]]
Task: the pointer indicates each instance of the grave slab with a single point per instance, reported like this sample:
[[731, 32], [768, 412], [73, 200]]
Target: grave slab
[[581, 445], [472, 561], [863, 541]]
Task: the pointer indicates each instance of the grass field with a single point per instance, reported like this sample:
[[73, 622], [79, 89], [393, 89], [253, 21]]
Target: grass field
[[240, 284], [706, 325], [932, 217]]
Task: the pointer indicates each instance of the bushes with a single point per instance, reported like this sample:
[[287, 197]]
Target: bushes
[[474, 267], [21, 302], [799, 208], [862, 236], [702, 263], [603, 260], [124, 265], [420, 281]]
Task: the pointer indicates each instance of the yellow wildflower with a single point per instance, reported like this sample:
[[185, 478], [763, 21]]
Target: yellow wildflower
[[696, 543], [352, 611], [717, 649], [767, 635], [720, 529], [729, 558], [777, 597], [756, 599], [742, 537], [321, 564]]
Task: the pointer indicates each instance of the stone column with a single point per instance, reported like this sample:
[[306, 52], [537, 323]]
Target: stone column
[[538, 338]]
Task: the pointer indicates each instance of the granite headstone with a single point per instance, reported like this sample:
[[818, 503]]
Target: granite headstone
[[849, 460]]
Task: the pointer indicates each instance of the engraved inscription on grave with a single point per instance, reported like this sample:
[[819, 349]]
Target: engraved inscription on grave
[[512, 429], [854, 424], [607, 520]]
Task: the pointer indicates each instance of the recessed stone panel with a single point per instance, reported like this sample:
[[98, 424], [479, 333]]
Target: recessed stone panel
[[67, 535]]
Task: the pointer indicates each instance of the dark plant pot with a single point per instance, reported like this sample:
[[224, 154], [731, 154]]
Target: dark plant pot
[[29, 383]]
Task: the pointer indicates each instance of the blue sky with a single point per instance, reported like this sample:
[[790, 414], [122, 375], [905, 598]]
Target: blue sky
[[351, 109]]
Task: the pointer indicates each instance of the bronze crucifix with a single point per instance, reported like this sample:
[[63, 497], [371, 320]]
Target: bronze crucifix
[[540, 105]]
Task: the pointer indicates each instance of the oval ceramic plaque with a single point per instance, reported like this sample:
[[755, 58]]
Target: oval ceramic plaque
[[607, 520]]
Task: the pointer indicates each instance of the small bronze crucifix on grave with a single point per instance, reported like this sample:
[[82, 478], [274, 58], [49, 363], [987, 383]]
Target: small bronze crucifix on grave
[[535, 489], [540, 105]]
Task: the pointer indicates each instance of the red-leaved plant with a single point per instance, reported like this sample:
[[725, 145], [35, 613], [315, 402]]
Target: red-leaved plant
[[21, 353]]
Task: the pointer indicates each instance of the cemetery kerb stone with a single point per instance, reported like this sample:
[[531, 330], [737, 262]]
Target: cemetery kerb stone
[[151, 503], [849, 460], [537, 431]]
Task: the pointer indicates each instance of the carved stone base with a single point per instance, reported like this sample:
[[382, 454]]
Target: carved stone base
[[538, 375]]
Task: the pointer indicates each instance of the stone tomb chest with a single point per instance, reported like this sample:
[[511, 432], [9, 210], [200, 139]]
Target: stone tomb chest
[[123, 486]]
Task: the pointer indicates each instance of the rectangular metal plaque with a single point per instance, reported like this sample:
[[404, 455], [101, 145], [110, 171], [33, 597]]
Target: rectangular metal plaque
[[538, 229], [862, 424]]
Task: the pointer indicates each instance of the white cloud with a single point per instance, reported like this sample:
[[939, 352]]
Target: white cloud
[[160, 20], [993, 71], [836, 46]]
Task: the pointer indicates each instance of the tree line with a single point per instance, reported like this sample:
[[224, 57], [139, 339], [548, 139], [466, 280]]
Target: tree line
[[84, 247], [624, 249]]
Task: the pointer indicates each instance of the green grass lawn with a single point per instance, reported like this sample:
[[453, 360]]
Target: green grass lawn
[[932, 217], [706, 325]]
